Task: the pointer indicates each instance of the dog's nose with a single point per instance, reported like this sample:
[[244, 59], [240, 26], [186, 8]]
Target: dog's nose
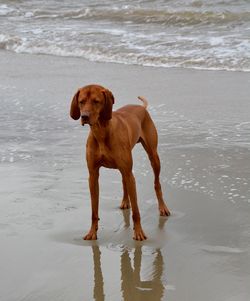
[[85, 116]]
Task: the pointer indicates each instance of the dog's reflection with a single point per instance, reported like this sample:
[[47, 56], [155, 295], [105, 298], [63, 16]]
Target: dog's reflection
[[98, 293], [131, 283], [132, 287]]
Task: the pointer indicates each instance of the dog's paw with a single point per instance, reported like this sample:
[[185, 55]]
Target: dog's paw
[[164, 211], [125, 205], [92, 235], [139, 235]]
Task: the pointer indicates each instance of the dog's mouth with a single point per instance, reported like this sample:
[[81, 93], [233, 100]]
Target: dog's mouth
[[88, 119], [83, 123], [86, 122]]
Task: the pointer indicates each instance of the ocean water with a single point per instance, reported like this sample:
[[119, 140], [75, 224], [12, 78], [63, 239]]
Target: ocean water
[[208, 34]]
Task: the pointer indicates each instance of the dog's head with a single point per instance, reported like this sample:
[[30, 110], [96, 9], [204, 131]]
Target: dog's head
[[92, 103]]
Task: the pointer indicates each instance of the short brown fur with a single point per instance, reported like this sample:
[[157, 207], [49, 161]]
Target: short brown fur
[[110, 142]]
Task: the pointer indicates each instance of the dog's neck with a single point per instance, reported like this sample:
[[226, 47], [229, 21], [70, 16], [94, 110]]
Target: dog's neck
[[101, 131]]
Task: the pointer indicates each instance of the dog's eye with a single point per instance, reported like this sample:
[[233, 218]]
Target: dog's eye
[[96, 101]]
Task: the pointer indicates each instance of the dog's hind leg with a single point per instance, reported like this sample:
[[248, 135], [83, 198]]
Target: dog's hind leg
[[125, 204], [149, 140]]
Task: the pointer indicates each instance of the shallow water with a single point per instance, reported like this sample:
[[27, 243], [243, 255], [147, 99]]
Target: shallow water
[[210, 156]]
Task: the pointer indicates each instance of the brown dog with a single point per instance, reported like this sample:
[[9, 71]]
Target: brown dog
[[111, 139]]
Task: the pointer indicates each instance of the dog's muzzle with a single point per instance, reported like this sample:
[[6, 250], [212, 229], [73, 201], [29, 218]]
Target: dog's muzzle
[[85, 117]]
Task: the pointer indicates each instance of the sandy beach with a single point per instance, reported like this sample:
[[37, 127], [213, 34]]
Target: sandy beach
[[201, 252]]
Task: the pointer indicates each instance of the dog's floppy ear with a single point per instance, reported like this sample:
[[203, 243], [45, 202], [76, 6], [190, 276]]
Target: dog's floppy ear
[[106, 113], [74, 109]]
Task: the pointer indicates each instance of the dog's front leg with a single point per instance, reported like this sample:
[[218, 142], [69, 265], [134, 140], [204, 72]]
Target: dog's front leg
[[131, 189], [94, 192]]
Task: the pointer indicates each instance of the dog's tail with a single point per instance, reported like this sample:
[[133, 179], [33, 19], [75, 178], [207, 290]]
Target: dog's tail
[[145, 102]]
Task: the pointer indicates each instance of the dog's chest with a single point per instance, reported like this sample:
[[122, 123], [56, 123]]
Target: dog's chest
[[105, 156]]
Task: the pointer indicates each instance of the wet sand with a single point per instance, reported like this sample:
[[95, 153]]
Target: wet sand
[[201, 252]]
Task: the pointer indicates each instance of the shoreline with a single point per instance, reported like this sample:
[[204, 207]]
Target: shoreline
[[85, 60]]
